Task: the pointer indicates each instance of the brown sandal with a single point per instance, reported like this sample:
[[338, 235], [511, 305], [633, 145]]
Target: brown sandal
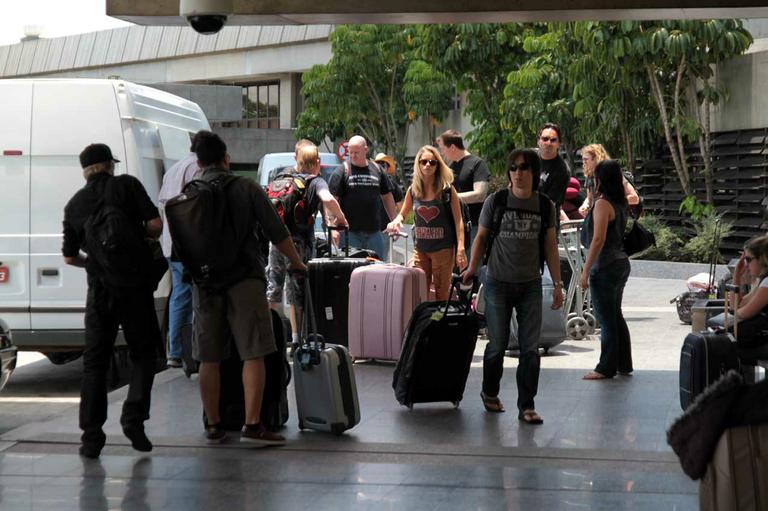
[[530, 417], [492, 404]]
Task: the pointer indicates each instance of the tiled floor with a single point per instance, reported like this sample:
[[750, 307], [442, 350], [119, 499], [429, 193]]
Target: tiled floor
[[602, 445]]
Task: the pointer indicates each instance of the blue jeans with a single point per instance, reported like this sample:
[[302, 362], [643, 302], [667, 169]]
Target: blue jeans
[[179, 309], [368, 240], [607, 289], [500, 300]]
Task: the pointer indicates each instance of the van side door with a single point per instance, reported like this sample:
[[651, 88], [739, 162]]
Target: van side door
[[66, 118], [16, 111]]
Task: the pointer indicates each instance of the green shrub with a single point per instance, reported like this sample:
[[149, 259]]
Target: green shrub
[[668, 240], [710, 230]]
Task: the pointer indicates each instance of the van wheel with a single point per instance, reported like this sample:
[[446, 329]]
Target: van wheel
[[62, 357]]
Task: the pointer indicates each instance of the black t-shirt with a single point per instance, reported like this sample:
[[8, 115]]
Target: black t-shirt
[[312, 197], [466, 172], [555, 175], [125, 192], [398, 194], [359, 194]]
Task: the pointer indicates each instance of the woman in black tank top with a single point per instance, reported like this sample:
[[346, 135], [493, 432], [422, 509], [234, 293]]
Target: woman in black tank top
[[606, 270], [438, 229]]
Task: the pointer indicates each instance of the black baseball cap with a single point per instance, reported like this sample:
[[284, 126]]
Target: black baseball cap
[[96, 153]]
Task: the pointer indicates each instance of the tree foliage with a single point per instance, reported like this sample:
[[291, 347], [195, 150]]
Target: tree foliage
[[478, 58], [375, 86]]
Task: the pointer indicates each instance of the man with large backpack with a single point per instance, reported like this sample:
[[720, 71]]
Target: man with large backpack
[[297, 196], [516, 236], [106, 224], [214, 223]]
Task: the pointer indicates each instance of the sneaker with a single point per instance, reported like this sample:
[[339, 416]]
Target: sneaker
[[257, 434], [215, 434], [174, 363]]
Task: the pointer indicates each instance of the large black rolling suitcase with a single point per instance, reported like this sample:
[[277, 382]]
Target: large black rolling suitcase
[[437, 352], [329, 282], [704, 358], [274, 406]]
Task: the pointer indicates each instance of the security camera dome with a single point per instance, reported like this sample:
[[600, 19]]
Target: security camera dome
[[207, 24]]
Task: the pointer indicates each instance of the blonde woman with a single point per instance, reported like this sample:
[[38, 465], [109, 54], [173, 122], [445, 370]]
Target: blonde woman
[[439, 230], [591, 155]]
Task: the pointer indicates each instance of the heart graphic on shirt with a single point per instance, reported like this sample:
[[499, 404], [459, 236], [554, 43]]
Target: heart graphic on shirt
[[428, 213]]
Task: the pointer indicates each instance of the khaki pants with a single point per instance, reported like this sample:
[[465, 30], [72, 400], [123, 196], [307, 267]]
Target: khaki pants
[[438, 266]]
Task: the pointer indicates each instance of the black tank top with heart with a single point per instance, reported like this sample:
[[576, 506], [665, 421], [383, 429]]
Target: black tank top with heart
[[433, 229]]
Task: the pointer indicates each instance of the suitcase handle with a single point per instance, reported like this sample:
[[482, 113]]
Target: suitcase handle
[[736, 291], [311, 337], [456, 285], [392, 238], [345, 230]]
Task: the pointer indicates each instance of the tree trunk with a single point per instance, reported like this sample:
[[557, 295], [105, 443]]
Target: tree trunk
[[678, 116], [658, 97]]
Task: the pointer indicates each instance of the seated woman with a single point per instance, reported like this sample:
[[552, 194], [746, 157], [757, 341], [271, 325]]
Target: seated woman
[[439, 229], [752, 265]]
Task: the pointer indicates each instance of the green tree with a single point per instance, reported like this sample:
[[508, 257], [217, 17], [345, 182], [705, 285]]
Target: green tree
[[677, 59], [374, 85], [478, 58]]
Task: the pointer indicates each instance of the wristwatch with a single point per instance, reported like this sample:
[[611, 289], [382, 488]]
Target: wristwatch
[[559, 283]]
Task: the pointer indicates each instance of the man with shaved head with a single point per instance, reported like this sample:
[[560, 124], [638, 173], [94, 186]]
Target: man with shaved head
[[359, 186]]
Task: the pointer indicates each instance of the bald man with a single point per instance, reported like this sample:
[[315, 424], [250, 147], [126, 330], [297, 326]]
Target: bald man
[[358, 187]]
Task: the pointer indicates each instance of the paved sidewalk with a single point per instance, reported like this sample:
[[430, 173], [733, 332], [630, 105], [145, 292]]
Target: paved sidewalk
[[602, 445]]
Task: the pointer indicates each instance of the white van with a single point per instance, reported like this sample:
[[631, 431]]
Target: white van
[[45, 125]]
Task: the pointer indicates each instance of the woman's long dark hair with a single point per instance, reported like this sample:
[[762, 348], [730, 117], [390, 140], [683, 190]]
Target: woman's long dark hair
[[610, 181]]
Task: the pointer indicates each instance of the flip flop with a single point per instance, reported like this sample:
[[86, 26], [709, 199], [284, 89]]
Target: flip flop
[[492, 404], [594, 375], [530, 417]]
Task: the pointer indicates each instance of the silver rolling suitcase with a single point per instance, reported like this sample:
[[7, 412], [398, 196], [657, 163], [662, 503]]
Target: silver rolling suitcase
[[326, 392]]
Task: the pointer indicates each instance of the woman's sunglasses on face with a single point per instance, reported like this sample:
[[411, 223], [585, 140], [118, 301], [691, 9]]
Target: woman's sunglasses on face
[[431, 163], [523, 166]]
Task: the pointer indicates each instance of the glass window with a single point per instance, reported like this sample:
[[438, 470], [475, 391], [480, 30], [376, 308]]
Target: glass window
[[261, 105]]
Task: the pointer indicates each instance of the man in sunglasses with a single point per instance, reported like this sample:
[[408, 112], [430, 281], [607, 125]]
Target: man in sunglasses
[[555, 173], [471, 176]]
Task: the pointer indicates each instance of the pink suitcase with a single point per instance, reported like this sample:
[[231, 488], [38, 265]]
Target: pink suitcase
[[381, 300]]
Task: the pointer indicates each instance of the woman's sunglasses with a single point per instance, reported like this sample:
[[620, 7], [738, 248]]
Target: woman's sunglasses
[[424, 163], [749, 259], [523, 166]]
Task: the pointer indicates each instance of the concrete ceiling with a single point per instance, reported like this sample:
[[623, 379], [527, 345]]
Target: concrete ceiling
[[289, 12]]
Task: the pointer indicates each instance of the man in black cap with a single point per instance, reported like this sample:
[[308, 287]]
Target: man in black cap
[[106, 224]]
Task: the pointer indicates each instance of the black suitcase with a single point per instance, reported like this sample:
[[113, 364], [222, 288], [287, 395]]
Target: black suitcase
[[329, 282], [437, 352], [704, 358], [274, 406]]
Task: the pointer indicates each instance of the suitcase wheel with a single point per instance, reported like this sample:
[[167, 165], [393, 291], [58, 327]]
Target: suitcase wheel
[[455, 404], [546, 351], [301, 425], [337, 428], [577, 328]]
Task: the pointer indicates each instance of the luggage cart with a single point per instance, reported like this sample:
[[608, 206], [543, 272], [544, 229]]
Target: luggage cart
[[581, 322]]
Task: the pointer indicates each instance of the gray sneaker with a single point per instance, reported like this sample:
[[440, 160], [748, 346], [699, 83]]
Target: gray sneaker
[[215, 434], [259, 435]]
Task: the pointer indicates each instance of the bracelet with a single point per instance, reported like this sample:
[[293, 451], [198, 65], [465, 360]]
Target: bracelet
[[559, 283]]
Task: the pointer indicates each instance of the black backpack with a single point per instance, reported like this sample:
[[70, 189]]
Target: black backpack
[[117, 246], [499, 199], [204, 236], [288, 194]]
